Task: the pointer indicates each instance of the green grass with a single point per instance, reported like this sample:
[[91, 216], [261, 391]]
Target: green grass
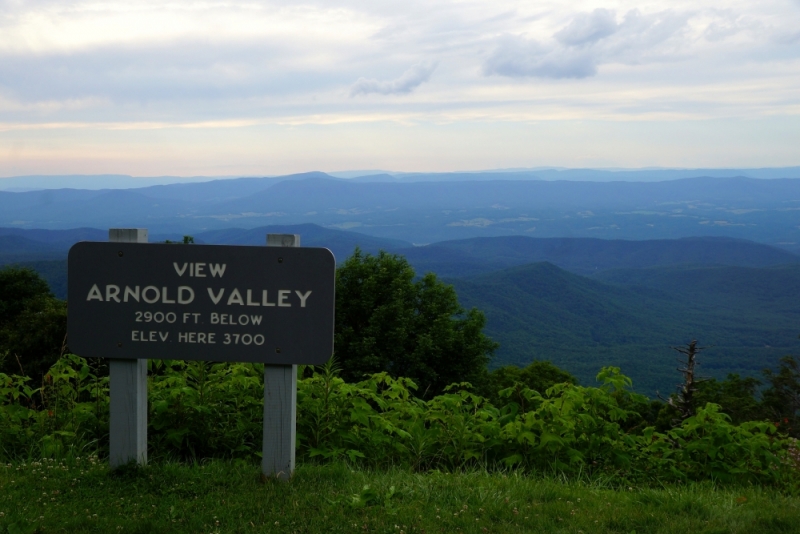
[[83, 496]]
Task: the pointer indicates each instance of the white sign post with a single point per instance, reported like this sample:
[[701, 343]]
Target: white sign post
[[127, 389], [280, 402]]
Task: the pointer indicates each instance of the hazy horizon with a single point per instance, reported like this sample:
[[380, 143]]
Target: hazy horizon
[[125, 181]]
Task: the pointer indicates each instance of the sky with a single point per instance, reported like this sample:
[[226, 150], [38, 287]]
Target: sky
[[274, 87]]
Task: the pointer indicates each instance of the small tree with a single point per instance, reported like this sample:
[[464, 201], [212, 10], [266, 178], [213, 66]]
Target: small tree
[[388, 321], [684, 401], [736, 396], [538, 375], [33, 323], [781, 400]]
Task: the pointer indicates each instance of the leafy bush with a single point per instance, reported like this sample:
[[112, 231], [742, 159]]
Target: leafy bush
[[203, 409], [33, 323], [67, 413], [200, 410]]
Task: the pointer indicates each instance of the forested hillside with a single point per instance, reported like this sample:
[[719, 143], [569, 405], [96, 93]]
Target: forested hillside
[[747, 317], [469, 257]]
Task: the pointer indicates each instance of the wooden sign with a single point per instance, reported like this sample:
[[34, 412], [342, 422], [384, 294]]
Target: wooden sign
[[272, 305]]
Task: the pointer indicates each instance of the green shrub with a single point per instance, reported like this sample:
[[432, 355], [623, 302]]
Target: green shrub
[[68, 412], [201, 410]]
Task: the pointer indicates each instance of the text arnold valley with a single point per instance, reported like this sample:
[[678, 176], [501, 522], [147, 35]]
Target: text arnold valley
[[184, 295]]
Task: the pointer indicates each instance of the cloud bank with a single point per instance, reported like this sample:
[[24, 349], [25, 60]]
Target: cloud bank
[[71, 71], [589, 40]]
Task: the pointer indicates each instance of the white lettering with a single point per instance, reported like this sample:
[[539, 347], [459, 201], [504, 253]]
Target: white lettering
[[112, 293], [198, 270], [255, 319], [151, 300], [163, 335], [133, 293], [134, 337], [264, 301], [283, 294], [243, 319], [191, 269], [250, 298], [303, 298], [152, 335], [217, 269], [214, 318], [179, 270], [215, 298], [164, 297], [197, 337], [94, 294], [235, 298], [185, 299]]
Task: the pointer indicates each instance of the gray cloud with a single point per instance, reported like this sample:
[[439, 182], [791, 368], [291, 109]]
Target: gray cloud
[[728, 26], [518, 57], [588, 28], [407, 82], [588, 41]]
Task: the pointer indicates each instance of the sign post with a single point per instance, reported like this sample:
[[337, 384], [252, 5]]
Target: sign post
[[127, 389], [130, 301], [280, 402]]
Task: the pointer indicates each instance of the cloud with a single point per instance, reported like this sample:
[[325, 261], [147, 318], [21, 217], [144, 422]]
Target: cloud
[[586, 42], [518, 57], [727, 26], [588, 28], [407, 82]]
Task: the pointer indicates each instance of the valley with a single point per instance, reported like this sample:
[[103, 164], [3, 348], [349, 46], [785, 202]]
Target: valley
[[579, 302]]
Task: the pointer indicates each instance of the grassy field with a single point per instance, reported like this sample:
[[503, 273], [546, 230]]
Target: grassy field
[[83, 496]]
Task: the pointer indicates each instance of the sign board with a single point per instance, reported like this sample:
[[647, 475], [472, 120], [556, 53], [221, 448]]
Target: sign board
[[272, 305]]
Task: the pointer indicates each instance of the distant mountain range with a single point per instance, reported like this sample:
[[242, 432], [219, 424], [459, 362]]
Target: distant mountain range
[[458, 258], [123, 181], [581, 175], [430, 211]]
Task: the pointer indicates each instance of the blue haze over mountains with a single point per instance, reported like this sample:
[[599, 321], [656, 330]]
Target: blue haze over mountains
[[585, 268], [425, 211]]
